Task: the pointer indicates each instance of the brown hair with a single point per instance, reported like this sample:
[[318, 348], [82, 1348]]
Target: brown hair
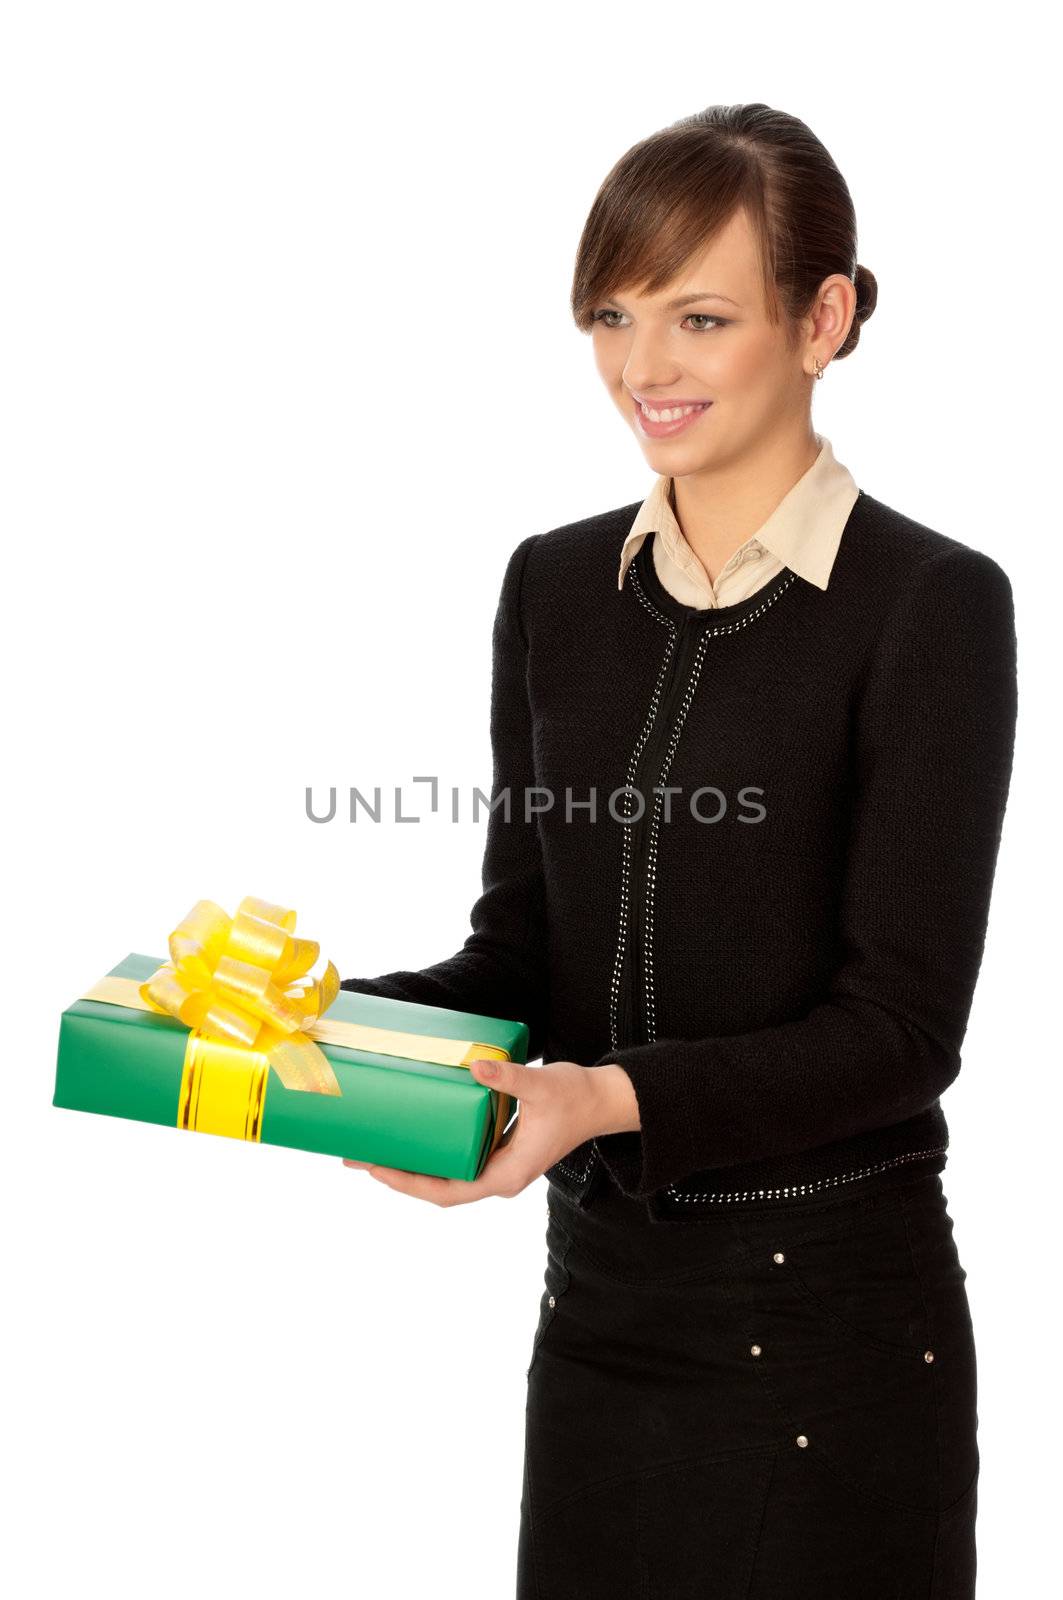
[[669, 194]]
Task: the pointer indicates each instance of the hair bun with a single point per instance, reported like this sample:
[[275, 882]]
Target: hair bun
[[866, 285], [866, 292]]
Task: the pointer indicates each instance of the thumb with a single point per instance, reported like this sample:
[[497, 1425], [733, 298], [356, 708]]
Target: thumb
[[512, 1077]]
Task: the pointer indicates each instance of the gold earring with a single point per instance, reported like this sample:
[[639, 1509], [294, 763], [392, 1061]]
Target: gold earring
[[817, 367]]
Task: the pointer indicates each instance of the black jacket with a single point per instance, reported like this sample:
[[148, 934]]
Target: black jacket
[[782, 953]]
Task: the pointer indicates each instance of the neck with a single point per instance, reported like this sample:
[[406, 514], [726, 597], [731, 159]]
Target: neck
[[719, 508]]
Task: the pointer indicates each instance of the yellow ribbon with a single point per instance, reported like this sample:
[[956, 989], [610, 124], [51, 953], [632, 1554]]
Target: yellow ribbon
[[240, 985]]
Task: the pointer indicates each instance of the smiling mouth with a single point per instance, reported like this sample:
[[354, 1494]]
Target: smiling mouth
[[665, 422], [672, 413]]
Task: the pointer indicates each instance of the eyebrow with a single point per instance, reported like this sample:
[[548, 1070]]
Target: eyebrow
[[689, 300]]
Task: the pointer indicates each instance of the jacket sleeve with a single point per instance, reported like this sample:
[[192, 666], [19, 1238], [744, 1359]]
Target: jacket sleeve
[[501, 970], [933, 743]]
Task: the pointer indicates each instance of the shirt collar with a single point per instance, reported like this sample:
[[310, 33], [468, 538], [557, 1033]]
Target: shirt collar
[[803, 532]]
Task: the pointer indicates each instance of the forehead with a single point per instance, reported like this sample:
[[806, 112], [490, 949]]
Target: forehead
[[727, 265]]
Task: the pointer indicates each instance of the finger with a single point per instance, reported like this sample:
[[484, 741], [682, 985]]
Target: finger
[[504, 1171], [424, 1185], [510, 1077]]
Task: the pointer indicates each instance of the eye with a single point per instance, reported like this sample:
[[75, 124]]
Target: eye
[[605, 313]]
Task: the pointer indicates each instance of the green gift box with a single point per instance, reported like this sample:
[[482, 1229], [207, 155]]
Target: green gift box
[[394, 1109]]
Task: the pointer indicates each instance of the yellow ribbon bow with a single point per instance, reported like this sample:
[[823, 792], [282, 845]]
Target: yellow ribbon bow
[[239, 983]]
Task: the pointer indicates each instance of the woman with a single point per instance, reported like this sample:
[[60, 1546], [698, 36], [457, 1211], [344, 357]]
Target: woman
[[757, 732]]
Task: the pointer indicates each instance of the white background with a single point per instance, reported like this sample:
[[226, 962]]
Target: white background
[[287, 371]]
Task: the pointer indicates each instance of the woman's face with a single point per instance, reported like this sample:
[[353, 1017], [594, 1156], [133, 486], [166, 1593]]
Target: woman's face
[[717, 350]]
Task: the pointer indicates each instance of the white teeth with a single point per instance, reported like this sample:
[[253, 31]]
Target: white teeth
[[671, 415]]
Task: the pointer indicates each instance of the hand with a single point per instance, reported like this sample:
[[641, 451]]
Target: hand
[[561, 1104]]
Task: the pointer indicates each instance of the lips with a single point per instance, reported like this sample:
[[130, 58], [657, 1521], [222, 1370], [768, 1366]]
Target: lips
[[667, 430], [667, 405]]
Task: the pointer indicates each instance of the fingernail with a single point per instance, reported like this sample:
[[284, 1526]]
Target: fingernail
[[488, 1068]]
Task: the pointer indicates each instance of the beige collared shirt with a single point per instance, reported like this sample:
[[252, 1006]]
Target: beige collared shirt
[[803, 533]]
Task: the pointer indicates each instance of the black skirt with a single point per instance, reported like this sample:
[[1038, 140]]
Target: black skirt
[[778, 1399]]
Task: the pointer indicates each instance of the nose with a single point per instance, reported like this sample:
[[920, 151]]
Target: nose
[[646, 371]]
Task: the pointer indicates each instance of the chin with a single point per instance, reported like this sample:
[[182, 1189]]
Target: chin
[[677, 455]]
